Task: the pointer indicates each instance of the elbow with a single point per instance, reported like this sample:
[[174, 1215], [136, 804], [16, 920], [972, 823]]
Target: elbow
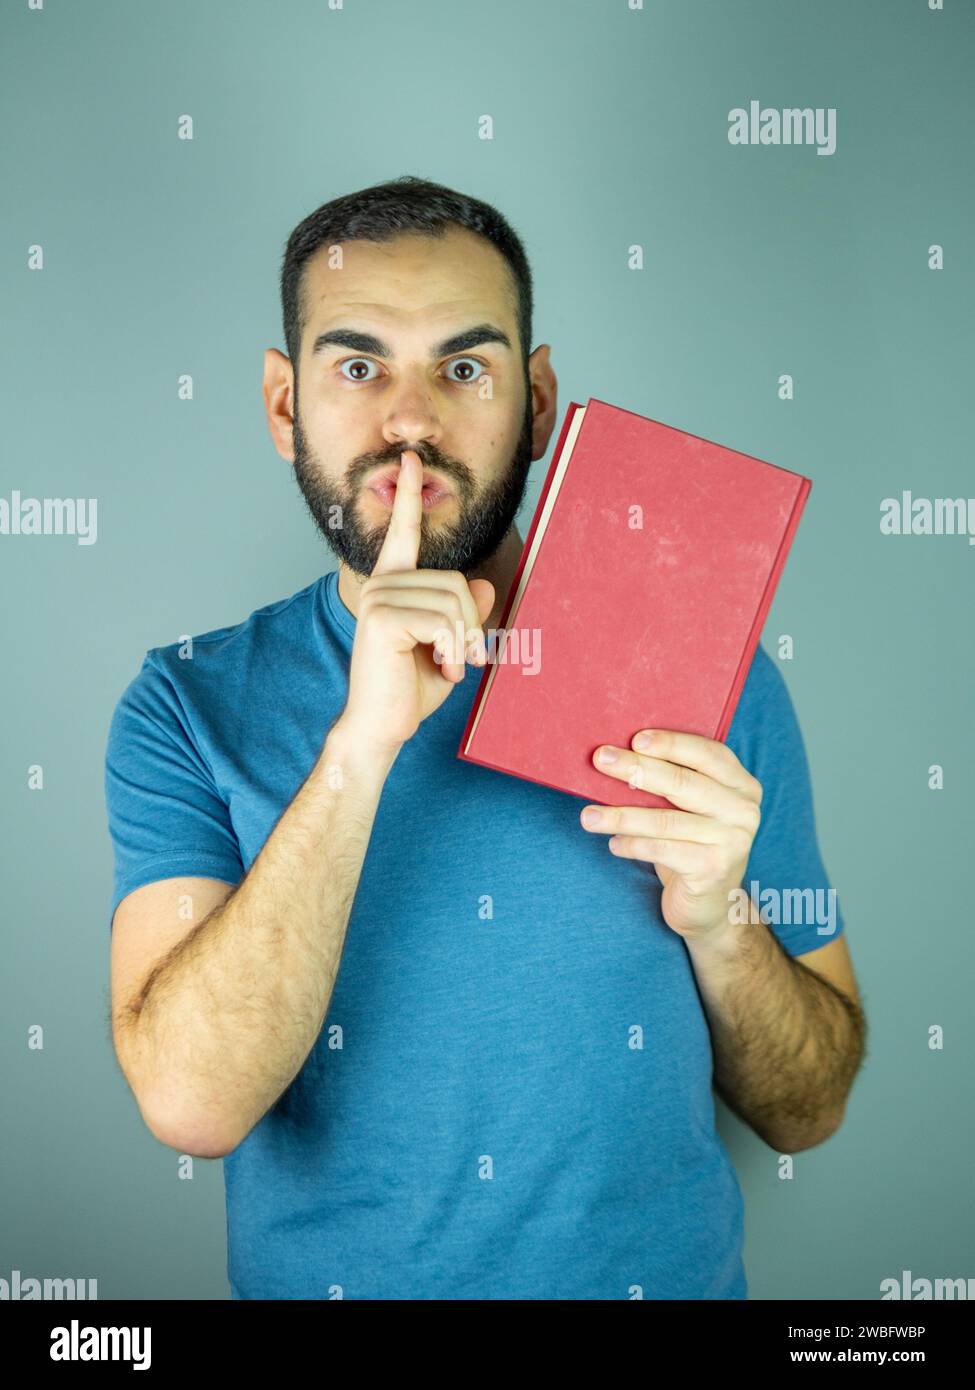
[[168, 1117], [197, 1135], [195, 1140], [795, 1137]]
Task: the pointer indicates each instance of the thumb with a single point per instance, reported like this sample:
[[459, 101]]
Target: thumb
[[482, 592]]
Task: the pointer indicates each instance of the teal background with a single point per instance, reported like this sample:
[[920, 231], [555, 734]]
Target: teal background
[[610, 128]]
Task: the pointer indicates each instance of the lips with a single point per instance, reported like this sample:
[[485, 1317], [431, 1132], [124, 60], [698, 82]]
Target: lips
[[384, 486]]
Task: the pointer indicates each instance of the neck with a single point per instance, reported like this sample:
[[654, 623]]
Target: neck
[[499, 569]]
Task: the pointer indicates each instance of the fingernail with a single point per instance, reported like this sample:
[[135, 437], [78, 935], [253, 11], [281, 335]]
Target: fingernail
[[642, 741], [591, 817], [608, 755]]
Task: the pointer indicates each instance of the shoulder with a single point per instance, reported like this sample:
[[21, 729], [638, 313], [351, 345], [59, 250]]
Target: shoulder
[[764, 683], [225, 654], [201, 670], [764, 733], [764, 695], [265, 627]]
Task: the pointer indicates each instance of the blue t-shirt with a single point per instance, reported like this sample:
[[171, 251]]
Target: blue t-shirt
[[511, 1093]]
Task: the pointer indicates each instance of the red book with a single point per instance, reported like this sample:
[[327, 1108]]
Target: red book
[[646, 578]]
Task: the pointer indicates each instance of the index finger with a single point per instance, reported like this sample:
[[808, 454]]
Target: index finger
[[401, 545], [701, 754]]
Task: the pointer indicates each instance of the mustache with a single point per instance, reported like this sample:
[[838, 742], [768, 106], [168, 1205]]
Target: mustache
[[431, 459]]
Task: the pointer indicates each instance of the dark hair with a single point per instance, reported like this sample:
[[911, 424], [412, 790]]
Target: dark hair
[[406, 204]]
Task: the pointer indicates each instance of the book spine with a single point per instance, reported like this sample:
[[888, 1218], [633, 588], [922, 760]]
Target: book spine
[[573, 407], [755, 632], [549, 478]]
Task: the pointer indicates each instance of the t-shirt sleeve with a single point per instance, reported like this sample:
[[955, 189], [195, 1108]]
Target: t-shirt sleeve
[[166, 817], [785, 873]]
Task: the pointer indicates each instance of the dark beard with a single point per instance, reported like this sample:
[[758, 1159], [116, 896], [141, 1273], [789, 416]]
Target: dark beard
[[463, 545]]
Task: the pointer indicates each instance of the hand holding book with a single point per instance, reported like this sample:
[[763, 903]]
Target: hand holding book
[[700, 850]]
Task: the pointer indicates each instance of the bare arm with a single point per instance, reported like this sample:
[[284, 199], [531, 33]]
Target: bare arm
[[226, 1018], [212, 1034], [787, 1041], [787, 1034]]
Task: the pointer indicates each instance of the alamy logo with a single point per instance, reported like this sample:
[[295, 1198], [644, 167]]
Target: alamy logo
[[17, 1289], [788, 907], [792, 125], [50, 516], [512, 646], [908, 515], [77, 1343], [920, 1289]]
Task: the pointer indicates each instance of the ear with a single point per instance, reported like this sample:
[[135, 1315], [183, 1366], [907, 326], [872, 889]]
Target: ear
[[278, 390], [545, 389]]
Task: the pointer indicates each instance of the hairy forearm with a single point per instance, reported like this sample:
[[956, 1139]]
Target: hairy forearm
[[786, 1044], [226, 1020]]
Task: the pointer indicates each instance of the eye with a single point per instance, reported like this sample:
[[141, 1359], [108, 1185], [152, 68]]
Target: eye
[[356, 362], [463, 381]]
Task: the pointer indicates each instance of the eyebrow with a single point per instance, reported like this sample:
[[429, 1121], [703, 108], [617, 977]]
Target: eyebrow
[[367, 342]]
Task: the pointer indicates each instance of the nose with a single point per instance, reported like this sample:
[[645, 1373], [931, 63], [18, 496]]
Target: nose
[[412, 417]]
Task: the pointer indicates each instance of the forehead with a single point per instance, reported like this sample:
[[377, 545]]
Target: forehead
[[412, 280]]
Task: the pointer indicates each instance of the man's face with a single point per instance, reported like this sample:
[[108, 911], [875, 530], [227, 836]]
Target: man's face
[[391, 378]]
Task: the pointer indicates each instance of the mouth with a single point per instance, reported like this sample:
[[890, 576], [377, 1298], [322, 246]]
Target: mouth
[[383, 485]]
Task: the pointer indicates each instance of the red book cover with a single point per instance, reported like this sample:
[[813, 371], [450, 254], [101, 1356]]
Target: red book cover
[[647, 574]]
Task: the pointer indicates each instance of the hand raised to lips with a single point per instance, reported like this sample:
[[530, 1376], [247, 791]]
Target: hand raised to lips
[[395, 682]]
